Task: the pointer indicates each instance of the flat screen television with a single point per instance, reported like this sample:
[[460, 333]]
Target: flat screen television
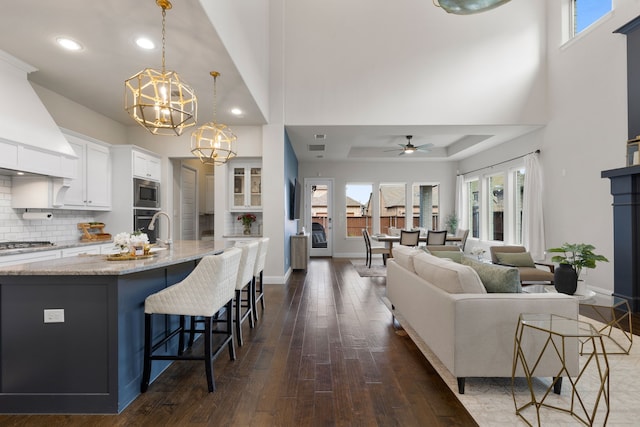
[[295, 200]]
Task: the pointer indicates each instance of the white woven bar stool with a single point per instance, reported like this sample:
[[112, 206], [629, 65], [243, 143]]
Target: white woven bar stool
[[207, 289], [243, 284], [258, 294]]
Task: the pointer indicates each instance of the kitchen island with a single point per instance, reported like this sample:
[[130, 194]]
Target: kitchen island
[[86, 355]]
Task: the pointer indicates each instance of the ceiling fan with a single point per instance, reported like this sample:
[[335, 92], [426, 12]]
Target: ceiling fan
[[409, 148]]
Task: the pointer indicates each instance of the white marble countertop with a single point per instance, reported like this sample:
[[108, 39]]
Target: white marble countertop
[[98, 265]]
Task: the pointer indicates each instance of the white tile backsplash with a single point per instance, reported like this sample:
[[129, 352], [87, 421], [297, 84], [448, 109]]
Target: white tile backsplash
[[62, 227]]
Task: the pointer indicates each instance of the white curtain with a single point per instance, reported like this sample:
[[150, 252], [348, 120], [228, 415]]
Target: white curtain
[[532, 216], [460, 203]]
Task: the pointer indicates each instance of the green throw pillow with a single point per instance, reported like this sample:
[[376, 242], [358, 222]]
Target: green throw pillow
[[454, 255], [496, 278], [520, 259]]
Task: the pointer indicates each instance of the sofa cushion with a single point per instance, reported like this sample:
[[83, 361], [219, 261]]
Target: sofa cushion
[[403, 255], [522, 259], [453, 255], [496, 278], [448, 275]]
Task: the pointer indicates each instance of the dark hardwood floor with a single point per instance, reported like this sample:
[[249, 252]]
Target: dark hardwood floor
[[324, 353]]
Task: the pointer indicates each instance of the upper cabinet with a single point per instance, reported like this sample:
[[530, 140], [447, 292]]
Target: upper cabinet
[[246, 186], [91, 187], [146, 166]]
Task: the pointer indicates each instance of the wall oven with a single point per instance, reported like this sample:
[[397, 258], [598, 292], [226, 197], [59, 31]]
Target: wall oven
[[146, 194], [141, 221]]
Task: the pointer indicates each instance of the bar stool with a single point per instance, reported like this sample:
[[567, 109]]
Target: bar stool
[[243, 284], [204, 292], [258, 295]]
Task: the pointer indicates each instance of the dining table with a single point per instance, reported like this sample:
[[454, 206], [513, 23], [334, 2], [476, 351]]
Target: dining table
[[389, 239]]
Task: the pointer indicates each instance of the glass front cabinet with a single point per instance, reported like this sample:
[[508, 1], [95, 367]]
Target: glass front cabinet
[[246, 187]]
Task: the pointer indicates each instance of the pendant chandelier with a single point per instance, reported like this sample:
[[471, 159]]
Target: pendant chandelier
[[213, 143], [468, 7], [160, 100]]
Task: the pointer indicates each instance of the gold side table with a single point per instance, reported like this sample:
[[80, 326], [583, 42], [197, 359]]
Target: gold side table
[[613, 312], [550, 340]]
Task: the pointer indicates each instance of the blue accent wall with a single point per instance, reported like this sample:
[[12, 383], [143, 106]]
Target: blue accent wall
[[290, 176]]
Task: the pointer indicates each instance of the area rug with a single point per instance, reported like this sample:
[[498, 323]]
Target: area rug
[[376, 270], [490, 400]]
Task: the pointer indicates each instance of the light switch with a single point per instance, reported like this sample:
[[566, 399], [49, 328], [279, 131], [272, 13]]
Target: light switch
[[54, 315]]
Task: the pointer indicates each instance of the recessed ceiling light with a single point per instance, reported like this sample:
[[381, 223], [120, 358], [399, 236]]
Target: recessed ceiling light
[[236, 111], [68, 43], [145, 43]]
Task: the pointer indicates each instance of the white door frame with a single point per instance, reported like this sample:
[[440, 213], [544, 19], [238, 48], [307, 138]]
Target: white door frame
[[308, 184]]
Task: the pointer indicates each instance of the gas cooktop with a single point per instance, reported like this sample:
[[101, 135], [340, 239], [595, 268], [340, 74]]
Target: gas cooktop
[[24, 245]]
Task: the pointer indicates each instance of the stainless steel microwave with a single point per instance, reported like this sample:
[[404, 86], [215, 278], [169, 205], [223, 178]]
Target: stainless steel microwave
[[146, 194]]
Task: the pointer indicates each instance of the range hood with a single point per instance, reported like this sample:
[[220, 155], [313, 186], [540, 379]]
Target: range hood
[[30, 140]]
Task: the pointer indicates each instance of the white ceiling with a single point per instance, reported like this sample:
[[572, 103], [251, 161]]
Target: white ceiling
[[94, 77]]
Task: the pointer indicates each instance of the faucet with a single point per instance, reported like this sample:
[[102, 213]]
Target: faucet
[[152, 226]]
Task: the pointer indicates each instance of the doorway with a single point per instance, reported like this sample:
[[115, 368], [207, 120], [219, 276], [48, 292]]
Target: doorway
[[318, 215]]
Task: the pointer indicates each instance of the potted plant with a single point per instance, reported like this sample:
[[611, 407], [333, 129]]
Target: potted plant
[[451, 223], [575, 257]]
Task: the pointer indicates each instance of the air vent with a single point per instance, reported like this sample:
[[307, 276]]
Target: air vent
[[320, 136], [316, 147]]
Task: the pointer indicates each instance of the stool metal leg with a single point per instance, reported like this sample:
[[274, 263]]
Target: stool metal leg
[[146, 370], [208, 359]]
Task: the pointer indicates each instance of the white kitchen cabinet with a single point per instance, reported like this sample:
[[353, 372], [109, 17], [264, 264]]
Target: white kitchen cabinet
[[8, 260], [91, 189], [146, 166], [246, 187], [81, 250]]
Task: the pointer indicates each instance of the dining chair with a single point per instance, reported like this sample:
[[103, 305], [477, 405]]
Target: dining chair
[[436, 237], [203, 293], [374, 250], [463, 234], [409, 238]]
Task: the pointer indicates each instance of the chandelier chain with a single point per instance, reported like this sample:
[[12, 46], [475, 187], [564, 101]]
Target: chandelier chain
[[164, 19]]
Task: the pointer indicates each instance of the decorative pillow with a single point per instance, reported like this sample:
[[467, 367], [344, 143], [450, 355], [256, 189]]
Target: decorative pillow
[[520, 259], [453, 255], [496, 278]]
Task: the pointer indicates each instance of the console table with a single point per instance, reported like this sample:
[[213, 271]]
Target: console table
[[299, 251]]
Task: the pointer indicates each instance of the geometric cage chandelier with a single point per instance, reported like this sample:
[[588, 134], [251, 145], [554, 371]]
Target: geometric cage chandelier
[[161, 101], [468, 7], [213, 143]]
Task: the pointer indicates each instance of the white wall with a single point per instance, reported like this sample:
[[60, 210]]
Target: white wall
[[585, 135], [376, 173], [243, 27], [384, 62]]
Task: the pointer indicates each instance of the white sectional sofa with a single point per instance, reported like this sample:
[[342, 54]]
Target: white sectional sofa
[[471, 331]]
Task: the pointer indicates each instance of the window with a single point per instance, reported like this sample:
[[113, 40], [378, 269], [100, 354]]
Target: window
[[358, 208], [496, 207], [473, 207], [586, 12], [392, 206], [425, 206]]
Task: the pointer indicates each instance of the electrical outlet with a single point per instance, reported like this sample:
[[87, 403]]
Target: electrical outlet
[[54, 315]]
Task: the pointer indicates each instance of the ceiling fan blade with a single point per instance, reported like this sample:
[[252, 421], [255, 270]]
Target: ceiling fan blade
[[424, 146]]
